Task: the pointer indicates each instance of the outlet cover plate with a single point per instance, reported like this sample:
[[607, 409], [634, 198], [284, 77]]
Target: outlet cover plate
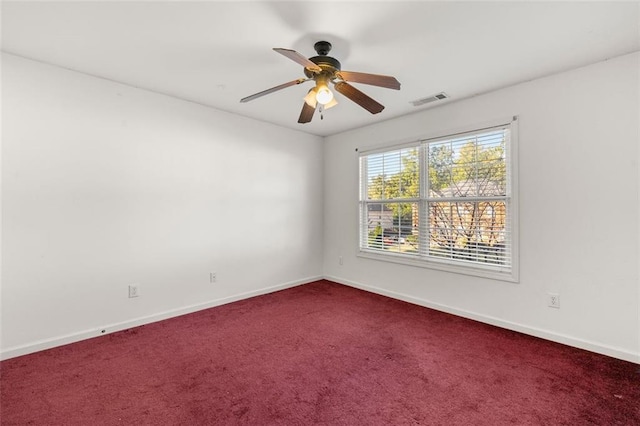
[[134, 290], [553, 300]]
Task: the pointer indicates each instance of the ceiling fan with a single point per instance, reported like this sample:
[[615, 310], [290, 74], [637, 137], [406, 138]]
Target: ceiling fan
[[323, 69]]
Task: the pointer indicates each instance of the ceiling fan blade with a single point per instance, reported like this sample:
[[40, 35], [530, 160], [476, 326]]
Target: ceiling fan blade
[[273, 89], [295, 56], [358, 97], [371, 79], [306, 114]]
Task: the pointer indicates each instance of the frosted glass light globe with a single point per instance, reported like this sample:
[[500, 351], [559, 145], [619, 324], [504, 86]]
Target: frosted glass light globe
[[324, 95]]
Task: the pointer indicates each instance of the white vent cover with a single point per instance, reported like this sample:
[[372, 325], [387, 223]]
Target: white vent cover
[[437, 97]]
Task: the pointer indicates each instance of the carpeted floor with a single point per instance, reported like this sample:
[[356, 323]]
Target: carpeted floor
[[320, 353]]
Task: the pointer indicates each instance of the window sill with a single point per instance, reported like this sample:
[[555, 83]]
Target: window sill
[[510, 276]]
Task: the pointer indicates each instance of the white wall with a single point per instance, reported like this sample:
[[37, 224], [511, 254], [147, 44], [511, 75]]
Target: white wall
[[104, 185], [578, 140]]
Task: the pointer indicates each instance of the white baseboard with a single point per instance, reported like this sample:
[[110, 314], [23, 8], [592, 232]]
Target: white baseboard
[[111, 328], [532, 331]]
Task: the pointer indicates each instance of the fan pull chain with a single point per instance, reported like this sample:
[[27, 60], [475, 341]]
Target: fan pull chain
[[321, 112]]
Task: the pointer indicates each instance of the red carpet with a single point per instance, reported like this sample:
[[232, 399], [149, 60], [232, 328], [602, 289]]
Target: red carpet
[[321, 353]]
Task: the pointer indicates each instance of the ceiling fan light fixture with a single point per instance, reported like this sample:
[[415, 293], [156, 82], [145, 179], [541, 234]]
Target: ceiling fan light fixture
[[330, 104], [310, 98], [323, 94]]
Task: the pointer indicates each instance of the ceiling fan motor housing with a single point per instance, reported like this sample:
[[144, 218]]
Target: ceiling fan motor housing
[[328, 64]]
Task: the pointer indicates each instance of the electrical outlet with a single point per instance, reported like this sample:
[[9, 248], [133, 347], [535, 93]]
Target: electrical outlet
[[553, 300], [134, 290], [212, 277]]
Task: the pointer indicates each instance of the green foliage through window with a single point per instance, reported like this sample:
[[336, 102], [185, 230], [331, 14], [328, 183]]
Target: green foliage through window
[[459, 211]]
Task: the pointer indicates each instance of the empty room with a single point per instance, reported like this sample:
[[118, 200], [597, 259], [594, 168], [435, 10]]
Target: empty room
[[336, 213]]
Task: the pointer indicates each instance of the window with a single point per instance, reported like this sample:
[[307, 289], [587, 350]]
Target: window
[[446, 202]]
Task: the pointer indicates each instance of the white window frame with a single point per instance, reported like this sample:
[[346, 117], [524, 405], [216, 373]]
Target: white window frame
[[504, 274]]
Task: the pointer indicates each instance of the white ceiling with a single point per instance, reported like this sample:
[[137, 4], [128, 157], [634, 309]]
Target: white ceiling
[[216, 53]]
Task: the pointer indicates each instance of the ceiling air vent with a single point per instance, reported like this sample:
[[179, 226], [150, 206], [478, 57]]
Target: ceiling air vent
[[437, 97]]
